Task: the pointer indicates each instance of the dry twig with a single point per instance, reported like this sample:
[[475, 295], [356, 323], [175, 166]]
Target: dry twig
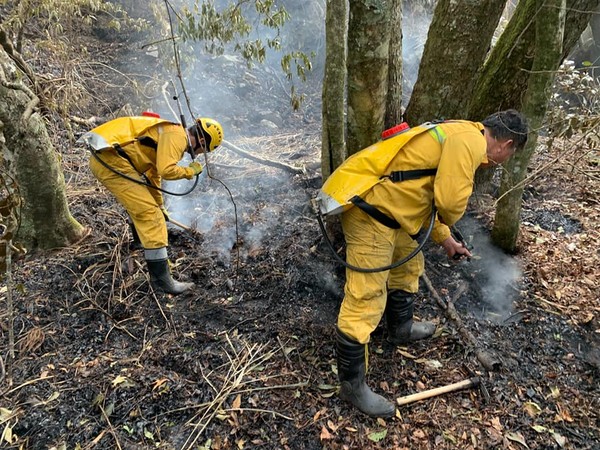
[[486, 359], [236, 381]]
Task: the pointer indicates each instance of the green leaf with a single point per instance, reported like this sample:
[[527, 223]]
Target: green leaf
[[109, 409], [378, 436], [334, 368]]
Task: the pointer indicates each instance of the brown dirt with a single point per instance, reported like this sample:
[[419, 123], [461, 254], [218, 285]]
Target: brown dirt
[[246, 360]]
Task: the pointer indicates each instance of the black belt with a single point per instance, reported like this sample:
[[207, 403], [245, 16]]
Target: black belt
[[375, 213], [124, 155], [403, 175], [397, 176]]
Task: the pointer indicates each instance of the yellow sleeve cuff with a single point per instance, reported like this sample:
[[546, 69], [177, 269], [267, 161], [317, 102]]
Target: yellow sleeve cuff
[[440, 232]]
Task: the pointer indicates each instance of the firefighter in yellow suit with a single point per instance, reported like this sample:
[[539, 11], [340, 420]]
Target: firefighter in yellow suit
[[147, 149], [456, 149]]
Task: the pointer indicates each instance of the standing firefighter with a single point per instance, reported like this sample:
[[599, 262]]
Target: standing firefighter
[[396, 184], [130, 156]]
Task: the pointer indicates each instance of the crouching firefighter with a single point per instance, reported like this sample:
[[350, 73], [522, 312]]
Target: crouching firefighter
[[130, 157], [386, 193]]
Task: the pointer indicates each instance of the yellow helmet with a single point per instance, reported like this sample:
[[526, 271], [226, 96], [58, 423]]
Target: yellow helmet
[[212, 132]]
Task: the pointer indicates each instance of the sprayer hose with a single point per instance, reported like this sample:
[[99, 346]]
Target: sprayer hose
[[143, 183], [398, 263]]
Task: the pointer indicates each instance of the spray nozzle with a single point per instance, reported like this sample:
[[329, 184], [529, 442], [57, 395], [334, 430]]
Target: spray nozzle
[[457, 235]]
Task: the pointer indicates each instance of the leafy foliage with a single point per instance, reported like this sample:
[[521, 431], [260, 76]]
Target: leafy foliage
[[57, 16], [232, 25], [575, 104], [35, 27], [236, 25]]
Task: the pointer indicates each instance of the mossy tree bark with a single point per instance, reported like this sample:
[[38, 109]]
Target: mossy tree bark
[[29, 159], [549, 28], [334, 88], [368, 53], [457, 43]]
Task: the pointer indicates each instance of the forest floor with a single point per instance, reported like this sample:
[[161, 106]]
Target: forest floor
[[246, 359]]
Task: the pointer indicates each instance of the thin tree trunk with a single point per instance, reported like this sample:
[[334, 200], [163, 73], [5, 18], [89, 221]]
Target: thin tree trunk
[[549, 29], [368, 53], [393, 109], [334, 88]]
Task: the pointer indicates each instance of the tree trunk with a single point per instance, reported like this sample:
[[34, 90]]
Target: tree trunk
[[595, 28], [29, 159], [334, 88], [368, 53], [549, 29], [457, 43], [393, 109]]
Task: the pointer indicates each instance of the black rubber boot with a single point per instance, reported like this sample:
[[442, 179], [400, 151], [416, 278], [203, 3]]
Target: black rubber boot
[[352, 368], [160, 277], [399, 319]]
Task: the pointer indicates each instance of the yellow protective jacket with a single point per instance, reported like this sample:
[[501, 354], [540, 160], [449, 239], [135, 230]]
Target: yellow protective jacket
[[154, 146], [363, 170], [456, 149]]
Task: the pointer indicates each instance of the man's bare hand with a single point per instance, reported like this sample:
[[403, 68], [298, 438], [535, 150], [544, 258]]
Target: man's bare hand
[[455, 250]]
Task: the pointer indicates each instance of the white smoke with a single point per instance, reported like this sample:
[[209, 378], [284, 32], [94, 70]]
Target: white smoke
[[252, 102], [496, 274], [415, 25]]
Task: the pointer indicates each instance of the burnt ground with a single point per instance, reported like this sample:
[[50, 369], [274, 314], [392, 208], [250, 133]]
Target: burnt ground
[[246, 360]]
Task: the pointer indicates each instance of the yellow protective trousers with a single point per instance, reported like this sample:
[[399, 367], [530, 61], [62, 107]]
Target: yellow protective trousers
[[370, 244], [137, 199]]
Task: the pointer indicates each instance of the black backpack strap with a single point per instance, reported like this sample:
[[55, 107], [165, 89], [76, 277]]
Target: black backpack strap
[[403, 175], [123, 154], [147, 141], [375, 213]]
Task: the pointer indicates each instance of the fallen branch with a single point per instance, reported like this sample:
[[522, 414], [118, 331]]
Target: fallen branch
[[266, 162], [27, 383], [234, 148], [90, 122], [487, 360], [111, 429]]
